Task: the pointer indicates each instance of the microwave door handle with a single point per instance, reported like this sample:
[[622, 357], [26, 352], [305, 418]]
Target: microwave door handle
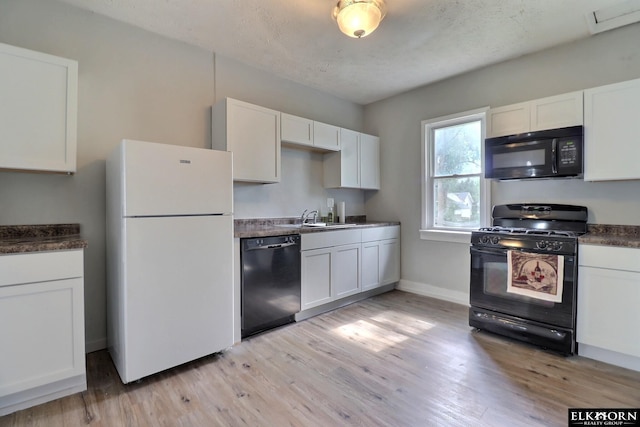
[[554, 156]]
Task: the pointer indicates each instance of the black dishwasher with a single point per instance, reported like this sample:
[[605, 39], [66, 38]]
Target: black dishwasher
[[270, 282]]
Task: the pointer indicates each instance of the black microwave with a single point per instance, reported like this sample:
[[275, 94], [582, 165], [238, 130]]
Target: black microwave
[[550, 153]]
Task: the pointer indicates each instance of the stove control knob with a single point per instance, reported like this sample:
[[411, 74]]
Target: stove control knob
[[495, 240], [484, 240], [542, 244], [557, 246]]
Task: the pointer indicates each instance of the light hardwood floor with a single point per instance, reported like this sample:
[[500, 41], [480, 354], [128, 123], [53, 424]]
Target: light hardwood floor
[[397, 359]]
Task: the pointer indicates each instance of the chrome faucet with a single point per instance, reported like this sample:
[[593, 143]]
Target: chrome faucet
[[304, 218]]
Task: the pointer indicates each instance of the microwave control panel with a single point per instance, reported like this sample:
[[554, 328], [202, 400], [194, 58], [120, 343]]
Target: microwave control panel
[[568, 153]]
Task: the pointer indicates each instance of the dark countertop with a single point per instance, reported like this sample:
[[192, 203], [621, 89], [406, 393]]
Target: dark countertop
[[627, 236], [264, 227], [16, 239]]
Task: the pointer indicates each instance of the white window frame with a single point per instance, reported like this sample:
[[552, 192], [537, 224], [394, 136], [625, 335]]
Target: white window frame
[[428, 231]]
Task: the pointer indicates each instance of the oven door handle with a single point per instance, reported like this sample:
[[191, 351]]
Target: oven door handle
[[554, 156], [489, 251]]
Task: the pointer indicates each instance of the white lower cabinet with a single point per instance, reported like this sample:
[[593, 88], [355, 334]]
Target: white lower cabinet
[[608, 297], [316, 277], [338, 264], [330, 266], [345, 270], [41, 328], [380, 256]]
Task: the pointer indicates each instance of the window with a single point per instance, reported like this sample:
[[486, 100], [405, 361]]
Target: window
[[454, 196]]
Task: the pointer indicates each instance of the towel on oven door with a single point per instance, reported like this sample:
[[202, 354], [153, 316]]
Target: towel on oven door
[[535, 275]]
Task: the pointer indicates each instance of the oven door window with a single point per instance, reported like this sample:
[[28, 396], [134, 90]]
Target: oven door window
[[495, 283], [488, 289]]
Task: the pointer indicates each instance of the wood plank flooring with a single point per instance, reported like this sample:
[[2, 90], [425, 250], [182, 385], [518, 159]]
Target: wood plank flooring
[[397, 359]]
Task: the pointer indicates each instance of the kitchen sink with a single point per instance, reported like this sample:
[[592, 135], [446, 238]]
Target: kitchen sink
[[316, 225]]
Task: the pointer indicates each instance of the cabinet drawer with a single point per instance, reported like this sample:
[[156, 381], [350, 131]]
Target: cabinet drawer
[[40, 267], [610, 257], [327, 239], [380, 233]]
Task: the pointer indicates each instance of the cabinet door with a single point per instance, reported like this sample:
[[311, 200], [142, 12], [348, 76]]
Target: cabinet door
[[608, 315], [389, 261], [253, 135], [345, 270], [509, 120], [316, 278], [611, 148], [38, 111], [326, 136], [370, 265], [42, 334], [369, 162], [350, 158], [557, 111], [296, 130]]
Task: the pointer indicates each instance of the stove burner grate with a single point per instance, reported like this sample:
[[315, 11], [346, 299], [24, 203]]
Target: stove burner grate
[[507, 230]]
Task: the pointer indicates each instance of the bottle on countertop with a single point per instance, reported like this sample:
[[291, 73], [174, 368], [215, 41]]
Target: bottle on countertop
[[341, 215]]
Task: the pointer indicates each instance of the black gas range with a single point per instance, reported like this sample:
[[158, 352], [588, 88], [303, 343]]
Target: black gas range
[[524, 273]]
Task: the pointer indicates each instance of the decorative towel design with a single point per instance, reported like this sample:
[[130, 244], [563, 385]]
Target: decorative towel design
[[535, 275]]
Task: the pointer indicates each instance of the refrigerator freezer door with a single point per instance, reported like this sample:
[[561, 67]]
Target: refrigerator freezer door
[[161, 179], [178, 291]]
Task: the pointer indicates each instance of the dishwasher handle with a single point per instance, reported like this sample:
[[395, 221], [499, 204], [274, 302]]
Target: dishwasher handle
[[277, 246]]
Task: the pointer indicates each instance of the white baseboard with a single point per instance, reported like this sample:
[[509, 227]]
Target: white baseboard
[[41, 394], [95, 345], [608, 356], [433, 292]]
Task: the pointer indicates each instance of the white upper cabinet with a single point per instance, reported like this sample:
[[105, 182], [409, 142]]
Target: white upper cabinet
[[356, 165], [252, 134], [508, 120], [369, 162], [611, 141], [326, 136], [557, 111], [296, 130], [38, 111], [540, 114], [342, 169], [309, 133]]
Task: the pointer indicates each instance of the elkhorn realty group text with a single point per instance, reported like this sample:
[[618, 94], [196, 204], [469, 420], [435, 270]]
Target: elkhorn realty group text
[[603, 417]]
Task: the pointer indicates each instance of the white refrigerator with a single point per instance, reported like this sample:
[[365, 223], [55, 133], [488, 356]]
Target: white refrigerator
[[169, 256]]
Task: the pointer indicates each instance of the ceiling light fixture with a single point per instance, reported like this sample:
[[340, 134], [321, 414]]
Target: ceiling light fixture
[[359, 18]]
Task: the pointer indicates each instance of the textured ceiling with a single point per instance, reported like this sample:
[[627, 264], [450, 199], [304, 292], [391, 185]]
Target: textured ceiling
[[418, 42]]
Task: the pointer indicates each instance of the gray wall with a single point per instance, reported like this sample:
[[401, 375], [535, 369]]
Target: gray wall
[[442, 268], [134, 84]]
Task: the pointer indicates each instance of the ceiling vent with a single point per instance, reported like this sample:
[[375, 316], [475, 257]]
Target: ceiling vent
[[621, 14]]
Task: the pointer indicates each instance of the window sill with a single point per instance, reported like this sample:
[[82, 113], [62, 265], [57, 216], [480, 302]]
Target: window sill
[[446, 236]]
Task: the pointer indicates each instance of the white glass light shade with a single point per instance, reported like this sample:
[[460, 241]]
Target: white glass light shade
[[359, 18]]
